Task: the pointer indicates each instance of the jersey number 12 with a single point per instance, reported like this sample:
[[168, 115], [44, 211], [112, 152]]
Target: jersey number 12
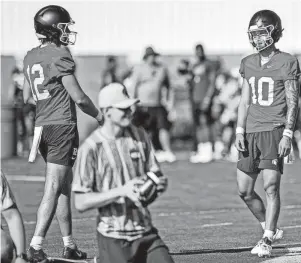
[[35, 81]]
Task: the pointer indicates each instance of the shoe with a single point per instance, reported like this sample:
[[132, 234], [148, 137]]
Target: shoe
[[160, 156], [75, 254], [36, 256], [218, 150], [278, 235], [263, 248], [165, 157], [170, 157], [196, 158]]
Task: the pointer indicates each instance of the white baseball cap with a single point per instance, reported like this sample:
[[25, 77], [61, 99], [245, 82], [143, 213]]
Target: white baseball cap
[[115, 95]]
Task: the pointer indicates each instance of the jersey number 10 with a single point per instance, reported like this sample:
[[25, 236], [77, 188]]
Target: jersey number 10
[[260, 83], [34, 81]]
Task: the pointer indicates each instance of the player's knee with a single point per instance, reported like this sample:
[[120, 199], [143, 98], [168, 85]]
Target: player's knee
[[245, 195], [272, 191], [7, 248]]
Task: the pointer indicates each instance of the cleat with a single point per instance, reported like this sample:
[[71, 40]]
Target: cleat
[[278, 235], [263, 248], [36, 256], [75, 254]]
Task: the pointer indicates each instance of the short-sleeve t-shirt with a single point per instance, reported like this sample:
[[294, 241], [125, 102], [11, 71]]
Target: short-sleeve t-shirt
[[44, 68], [268, 106], [104, 164]]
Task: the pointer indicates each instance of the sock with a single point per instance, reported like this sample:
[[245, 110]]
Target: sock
[[269, 234], [37, 242], [263, 225], [69, 242]]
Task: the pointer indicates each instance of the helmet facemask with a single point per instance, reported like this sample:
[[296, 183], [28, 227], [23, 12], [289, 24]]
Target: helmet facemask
[[261, 37], [67, 37]]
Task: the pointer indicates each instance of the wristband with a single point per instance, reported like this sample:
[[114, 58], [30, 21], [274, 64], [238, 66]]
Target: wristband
[[288, 133], [240, 130], [99, 116]]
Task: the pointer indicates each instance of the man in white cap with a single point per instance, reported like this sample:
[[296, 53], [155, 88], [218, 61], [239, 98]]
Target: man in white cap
[[110, 169]]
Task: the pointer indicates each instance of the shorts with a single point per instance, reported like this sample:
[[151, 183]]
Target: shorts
[[262, 152], [197, 113], [59, 144], [152, 118], [147, 249]]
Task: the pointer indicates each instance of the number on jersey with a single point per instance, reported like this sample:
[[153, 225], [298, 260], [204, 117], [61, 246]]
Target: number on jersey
[[260, 85], [35, 81]]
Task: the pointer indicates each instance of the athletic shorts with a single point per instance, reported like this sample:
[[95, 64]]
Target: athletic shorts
[[59, 144], [152, 118], [147, 249], [262, 152], [197, 113]]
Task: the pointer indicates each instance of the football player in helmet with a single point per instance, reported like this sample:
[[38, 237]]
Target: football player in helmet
[[50, 80], [266, 118]]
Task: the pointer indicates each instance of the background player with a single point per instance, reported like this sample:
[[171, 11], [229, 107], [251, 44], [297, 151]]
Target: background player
[[12, 245], [266, 119], [201, 101], [49, 70]]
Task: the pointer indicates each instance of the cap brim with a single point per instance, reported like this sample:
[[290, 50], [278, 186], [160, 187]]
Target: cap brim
[[153, 54], [126, 103]]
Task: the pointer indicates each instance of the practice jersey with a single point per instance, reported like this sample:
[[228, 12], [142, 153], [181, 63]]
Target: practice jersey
[[44, 68], [268, 106]]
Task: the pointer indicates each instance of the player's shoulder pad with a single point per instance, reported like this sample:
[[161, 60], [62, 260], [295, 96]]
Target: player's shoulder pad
[[249, 59], [286, 57], [62, 62], [30, 53]]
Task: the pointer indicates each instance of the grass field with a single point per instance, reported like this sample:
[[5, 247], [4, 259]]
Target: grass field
[[200, 217]]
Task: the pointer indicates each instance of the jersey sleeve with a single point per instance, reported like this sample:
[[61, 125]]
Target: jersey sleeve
[[62, 66], [7, 197], [291, 70], [84, 170]]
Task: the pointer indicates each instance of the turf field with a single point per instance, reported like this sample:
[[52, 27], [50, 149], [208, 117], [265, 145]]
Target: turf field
[[200, 217]]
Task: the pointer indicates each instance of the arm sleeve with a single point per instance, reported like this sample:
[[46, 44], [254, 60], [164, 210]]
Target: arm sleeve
[[7, 197], [291, 70], [242, 69], [84, 170], [62, 66]]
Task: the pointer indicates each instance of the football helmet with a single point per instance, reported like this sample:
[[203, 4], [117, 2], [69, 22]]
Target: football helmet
[[264, 29], [52, 23]]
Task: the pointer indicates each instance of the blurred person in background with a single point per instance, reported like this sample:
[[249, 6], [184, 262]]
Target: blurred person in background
[[203, 88], [112, 165], [24, 112], [151, 86], [109, 75], [12, 243], [224, 109]]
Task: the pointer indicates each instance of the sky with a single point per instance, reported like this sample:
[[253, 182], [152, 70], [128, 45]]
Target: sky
[[171, 27]]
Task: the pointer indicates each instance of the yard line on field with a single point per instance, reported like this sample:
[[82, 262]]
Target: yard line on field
[[279, 248], [291, 227], [219, 224], [25, 178]]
